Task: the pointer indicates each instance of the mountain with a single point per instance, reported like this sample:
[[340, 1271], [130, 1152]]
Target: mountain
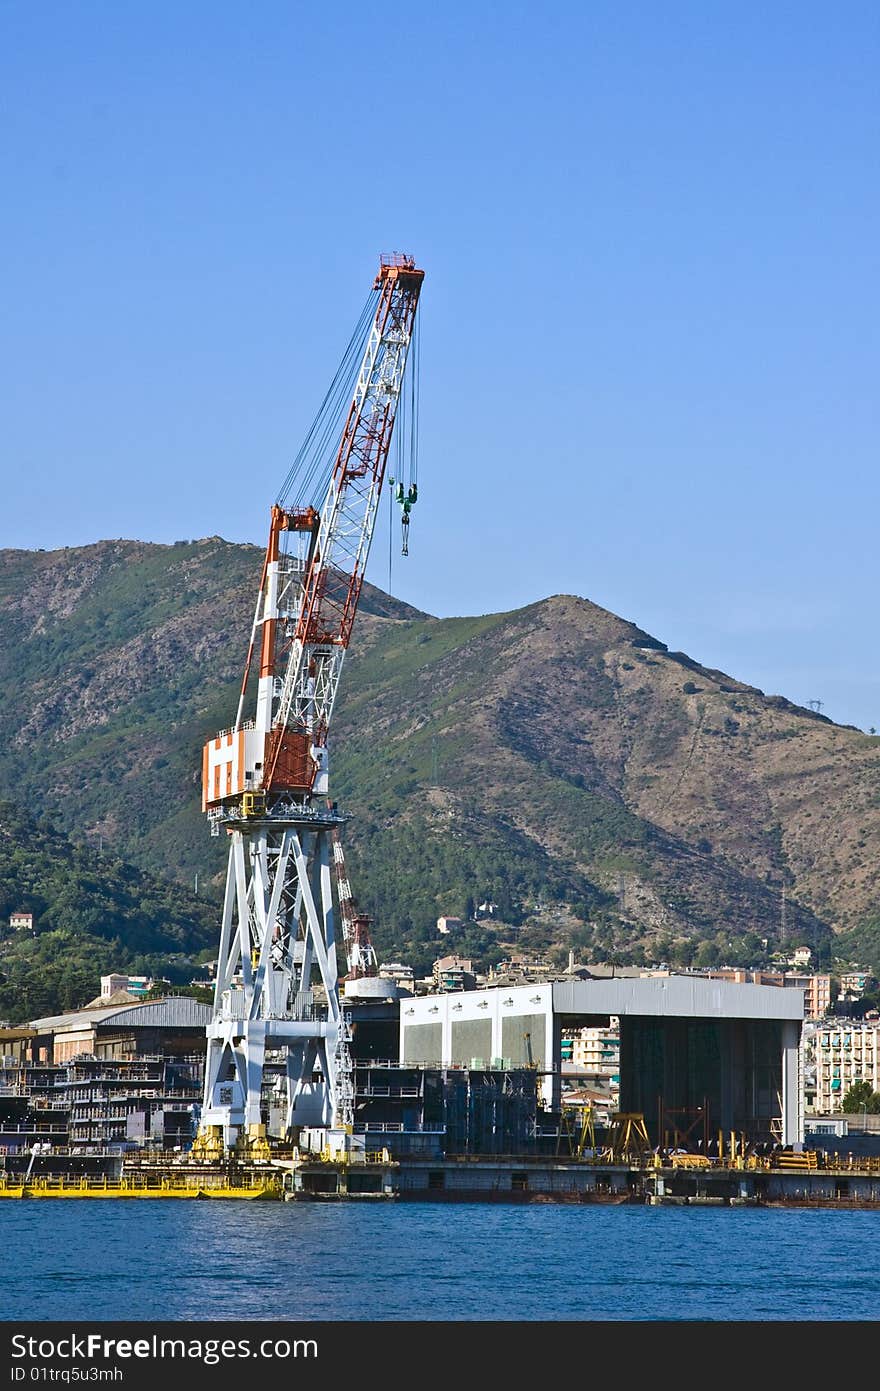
[[92, 914], [662, 799], [604, 793], [117, 661]]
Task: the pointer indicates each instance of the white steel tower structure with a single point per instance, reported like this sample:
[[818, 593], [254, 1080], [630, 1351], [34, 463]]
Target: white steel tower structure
[[266, 778]]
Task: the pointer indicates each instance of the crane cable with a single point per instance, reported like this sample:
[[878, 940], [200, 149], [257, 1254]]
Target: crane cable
[[406, 491], [309, 474]]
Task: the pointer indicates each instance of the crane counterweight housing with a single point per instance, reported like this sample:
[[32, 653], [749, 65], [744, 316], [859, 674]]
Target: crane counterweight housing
[[266, 779]]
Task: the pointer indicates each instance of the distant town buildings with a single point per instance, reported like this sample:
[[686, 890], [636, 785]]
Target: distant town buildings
[[454, 973], [399, 972], [816, 988], [595, 1050], [446, 925], [591, 1058], [855, 983], [175, 1025], [21, 922], [521, 970], [837, 1054], [132, 985]]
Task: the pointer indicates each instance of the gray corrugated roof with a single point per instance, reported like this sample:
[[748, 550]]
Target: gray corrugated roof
[[177, 1012], [688, 997], [684, 996], [81, 1017]]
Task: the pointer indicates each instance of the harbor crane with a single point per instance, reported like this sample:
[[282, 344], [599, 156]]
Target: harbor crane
[[360, 954], [266, 778]]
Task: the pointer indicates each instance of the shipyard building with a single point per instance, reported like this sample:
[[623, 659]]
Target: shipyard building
[[691, 1049], [462, 1072]]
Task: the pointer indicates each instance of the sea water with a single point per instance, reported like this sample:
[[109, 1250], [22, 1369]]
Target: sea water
[[237, 1260]]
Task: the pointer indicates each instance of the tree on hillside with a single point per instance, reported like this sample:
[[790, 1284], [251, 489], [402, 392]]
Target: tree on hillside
[[682, 953], [861, 1094], [203, 993], [707, 955]]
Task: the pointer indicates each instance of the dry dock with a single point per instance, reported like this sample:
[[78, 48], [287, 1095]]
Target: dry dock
[[688, 1180], [789, 1180]]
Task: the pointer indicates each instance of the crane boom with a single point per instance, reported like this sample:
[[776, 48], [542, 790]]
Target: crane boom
[[307, 604], [266, 779], [335, 574]]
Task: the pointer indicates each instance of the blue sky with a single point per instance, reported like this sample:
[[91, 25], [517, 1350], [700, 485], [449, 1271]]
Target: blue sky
[[649, 322]]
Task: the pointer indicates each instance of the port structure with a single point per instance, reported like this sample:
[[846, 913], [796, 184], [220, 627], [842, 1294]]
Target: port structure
[[360, 954], [266, 781]]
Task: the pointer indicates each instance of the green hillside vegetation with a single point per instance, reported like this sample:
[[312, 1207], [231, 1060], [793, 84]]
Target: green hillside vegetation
[[117, 661], [92, 914], [609, 796], [461, 799]]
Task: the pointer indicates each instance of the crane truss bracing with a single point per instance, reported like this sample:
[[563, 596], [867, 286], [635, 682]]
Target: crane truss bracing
[[333, 582], [266, 779]]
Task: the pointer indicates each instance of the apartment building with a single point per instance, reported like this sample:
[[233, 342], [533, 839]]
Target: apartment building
[[594, 1050], [397, 971], [591, 1057], [817, 993], [132, 985], [445, 925], [843, 1051], [857, 982], [454, 973]]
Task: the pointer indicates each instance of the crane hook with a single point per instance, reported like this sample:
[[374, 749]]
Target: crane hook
[[407, 501]]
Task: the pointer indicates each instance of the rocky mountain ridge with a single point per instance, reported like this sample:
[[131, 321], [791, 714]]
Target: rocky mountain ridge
[[555, 757]]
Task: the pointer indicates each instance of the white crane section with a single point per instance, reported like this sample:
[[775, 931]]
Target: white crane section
[[265, 781]]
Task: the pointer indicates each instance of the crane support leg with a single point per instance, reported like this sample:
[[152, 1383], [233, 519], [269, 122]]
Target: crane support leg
[[277, 942]]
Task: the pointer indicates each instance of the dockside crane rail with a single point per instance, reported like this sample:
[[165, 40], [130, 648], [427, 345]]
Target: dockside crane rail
[[266, 779]]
